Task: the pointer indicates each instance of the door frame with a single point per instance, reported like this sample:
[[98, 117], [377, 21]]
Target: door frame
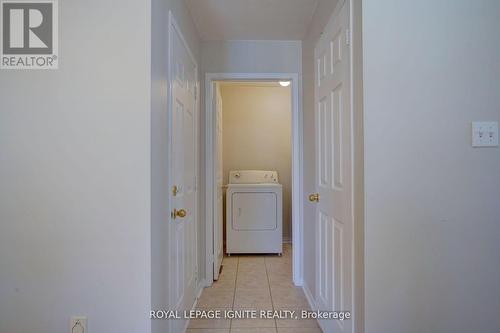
[[358, 172], [173, 27], [297, 165]]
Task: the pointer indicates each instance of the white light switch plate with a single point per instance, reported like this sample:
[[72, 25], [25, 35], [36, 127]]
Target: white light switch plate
[[485, 134], [78, 325]]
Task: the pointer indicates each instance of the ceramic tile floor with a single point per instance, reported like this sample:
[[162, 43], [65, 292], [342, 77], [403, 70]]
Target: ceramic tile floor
[[259, 282]]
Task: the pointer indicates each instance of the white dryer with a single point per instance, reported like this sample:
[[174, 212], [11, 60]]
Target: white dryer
[[254, 214]]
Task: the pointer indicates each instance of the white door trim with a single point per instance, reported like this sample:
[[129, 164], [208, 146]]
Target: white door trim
[[358, 190], [297, 165], [172, 25]]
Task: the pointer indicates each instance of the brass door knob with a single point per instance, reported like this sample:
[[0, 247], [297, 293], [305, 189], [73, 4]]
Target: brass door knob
[[314, 197], [179, 213]]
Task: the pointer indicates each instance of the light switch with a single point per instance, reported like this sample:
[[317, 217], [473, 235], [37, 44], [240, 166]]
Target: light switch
[[485, 134]]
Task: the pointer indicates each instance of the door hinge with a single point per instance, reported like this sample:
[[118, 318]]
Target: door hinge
[[348, 36]]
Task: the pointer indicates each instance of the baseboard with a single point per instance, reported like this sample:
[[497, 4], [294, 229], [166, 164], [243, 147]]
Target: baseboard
[[309, 296], [298, 282], [311, 301], [201, 286]]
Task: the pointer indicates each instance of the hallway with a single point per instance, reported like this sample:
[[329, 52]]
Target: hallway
[[142, 142], [260, 282]]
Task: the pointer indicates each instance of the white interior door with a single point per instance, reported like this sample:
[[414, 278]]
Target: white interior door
[[182, 231], [334, 222], [219, 187]]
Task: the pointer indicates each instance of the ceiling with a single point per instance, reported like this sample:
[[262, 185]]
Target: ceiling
[[251, 19]]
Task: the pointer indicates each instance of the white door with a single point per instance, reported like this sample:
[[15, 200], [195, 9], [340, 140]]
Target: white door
[[182, 224], [334, 222], [219, 183]]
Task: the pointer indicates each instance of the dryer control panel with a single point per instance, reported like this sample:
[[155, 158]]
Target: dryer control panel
[[253, 177]]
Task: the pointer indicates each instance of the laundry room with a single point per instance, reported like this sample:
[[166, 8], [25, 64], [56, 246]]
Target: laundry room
[[254, 144]]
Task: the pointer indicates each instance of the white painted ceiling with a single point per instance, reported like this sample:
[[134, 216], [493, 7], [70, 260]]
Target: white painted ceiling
[[251, 19]]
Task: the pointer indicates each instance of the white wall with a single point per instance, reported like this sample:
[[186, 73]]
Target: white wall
[[432, 201], [323, 12], [159, 140], [75, 177], [257, 124], [245, 57], [251, 56]]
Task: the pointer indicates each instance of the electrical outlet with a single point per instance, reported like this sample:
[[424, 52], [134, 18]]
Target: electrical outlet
[[78, 325], [485, 134]]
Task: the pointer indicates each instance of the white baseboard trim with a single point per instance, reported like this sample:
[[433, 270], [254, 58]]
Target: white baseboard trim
[[298, 283], [309, 296], [199, 290], [311, 301], [312, 304], [201, 286]]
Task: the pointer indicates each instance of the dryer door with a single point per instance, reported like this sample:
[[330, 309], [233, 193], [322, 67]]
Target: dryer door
[[254, 211]]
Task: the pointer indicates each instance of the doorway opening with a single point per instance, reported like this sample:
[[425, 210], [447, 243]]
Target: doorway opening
[[243, 146]]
